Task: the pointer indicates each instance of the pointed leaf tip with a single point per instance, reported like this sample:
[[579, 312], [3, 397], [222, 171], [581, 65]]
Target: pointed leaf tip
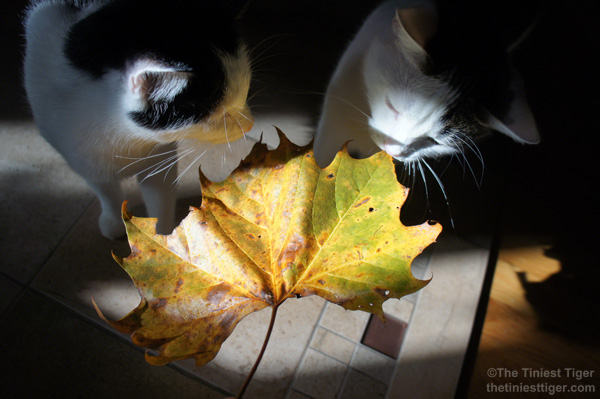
[[125, 214], [117, 258], [98, 311]]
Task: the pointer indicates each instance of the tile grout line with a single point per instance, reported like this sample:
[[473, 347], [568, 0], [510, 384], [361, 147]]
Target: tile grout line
[[13, 303], [347, 373], [408, 328], [337, 334], [111, 333], [349, 367], [306, 348], [26, 286], [331, 357], [51, 253]]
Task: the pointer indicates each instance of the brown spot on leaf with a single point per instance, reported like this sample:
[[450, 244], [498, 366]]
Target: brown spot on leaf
[[330, 176], [364, 201], [293, 247], [321, 282], [227, 321], [323, 238], [178, 285], [160, 303], [216, 294]]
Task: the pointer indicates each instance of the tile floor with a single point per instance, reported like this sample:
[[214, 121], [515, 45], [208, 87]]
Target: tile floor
[[54, 261]]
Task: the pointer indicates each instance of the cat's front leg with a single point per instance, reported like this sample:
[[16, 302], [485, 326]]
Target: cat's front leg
[[158, 188], [111, 199]]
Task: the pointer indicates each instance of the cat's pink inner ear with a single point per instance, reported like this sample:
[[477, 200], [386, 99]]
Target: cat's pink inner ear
[[137, 85], [157, 84], [420, 23]]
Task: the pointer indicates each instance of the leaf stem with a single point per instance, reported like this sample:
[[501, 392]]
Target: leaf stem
[[260, 355]]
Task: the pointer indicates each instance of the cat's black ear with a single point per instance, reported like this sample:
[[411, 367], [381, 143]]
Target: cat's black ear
[[153, 82], [518, 123], [416, 25]]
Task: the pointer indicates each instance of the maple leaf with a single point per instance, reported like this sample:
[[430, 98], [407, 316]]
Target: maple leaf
[[278, 227]]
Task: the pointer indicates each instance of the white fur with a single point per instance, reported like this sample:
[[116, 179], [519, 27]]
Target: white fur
[[87, 121], [378, 99]]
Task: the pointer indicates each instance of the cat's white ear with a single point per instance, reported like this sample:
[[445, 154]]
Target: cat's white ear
[[416, 26], [152, 82], [518, 123]]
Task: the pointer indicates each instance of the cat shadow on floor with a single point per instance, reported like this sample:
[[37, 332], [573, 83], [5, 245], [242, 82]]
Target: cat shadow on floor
[[566, 301]]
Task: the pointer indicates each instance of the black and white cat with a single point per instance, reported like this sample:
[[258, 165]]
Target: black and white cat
[[116, 85], [418, 83]]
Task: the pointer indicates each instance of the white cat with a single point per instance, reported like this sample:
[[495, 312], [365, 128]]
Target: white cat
[[416, 83], [115, 86]]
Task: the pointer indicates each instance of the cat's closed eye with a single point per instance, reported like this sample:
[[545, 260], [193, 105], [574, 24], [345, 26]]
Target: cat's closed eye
[[389, 104]]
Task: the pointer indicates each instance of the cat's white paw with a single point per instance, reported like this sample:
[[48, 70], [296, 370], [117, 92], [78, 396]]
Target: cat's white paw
[[111, 227]]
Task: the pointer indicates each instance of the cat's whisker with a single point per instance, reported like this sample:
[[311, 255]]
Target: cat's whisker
[[479, 181], [475, 148], [244, 116], [165, 164], [413, 168], [472, 146], [178, 179], [159, 167], [256, 94], [225, 125], [141, 159], [256, 58], [422, 172], [439, 181], [243, 133]]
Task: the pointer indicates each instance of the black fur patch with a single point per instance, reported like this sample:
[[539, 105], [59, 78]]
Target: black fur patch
[[469, 52], [184, 34]]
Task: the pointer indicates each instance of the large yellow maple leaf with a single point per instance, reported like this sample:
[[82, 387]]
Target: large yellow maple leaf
[[278, 227]]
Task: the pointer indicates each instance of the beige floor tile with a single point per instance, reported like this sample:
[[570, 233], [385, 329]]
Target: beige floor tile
[[399, 308], [439, 331], [41, 199], [8, 293], [297, 395], [361, 386], [82, 268], [347, 323], [320, 376], [60, 355], [333, 345], [294, 326], [374, 364]]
